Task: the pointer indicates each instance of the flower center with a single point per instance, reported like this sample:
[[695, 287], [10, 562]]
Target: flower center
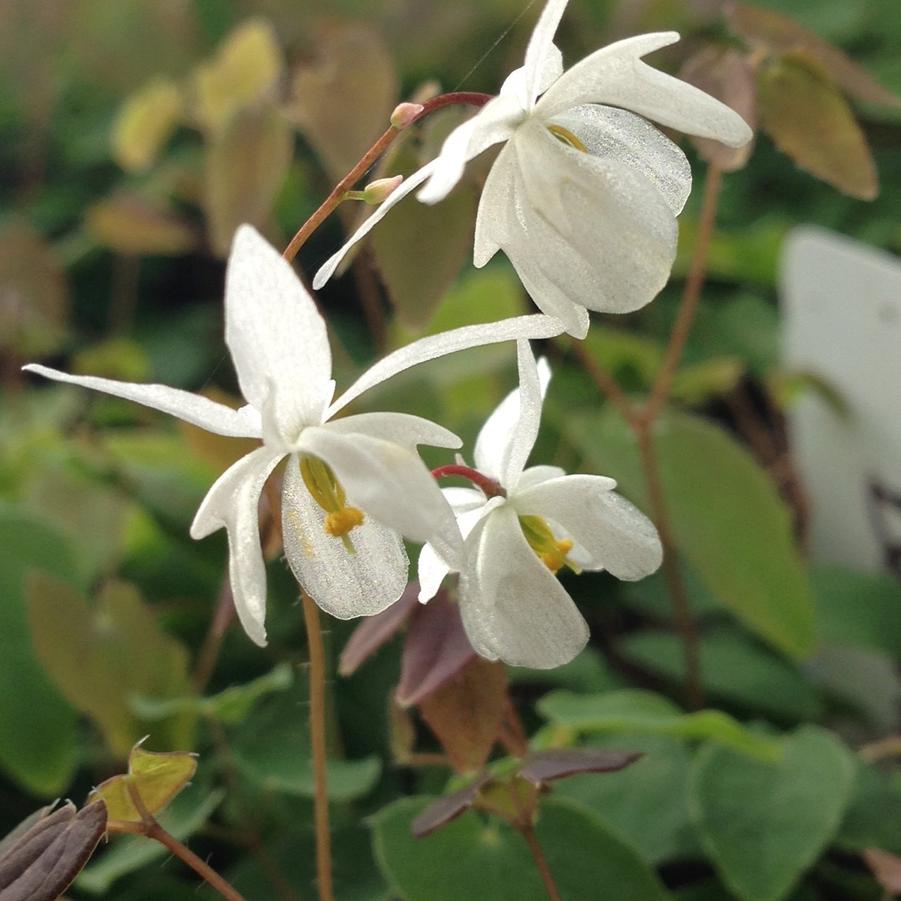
[[326, 490], [550, 550], [567, 137]]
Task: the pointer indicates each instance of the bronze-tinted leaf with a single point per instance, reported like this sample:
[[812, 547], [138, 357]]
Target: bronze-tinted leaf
[[806, 115], [34, 295], [100, 655], [245, 69], [342, 99], [727, 74], [448, 808], [156, 777], [44, 861], [558, 763], [435, 650], [145, 123], [777, 34], [374, 631], [420, 249], [133, 225], [465, 713], [246, 165]]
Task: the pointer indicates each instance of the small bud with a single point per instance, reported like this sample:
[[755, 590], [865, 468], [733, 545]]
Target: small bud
[[380, 189], [405, 113]]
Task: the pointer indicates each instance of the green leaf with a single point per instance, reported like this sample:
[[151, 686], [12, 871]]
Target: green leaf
[[858, 608], [472, 858], [733, 669], [101, 654], [703, 382], [156, 777], [420, 249], [727, 518], [37, 726], [187, 813], [873, 818], [643, 712], [145, 122], [764, 825], [647, 802], [229, 706], [807, 117], [272, 749]]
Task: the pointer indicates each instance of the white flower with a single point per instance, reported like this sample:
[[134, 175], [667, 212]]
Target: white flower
[[584, 195], [520, 533], [351, 484]]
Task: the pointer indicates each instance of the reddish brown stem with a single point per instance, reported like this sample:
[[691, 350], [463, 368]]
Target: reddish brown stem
[[319, 746], [489, 486], [212, 643], [547, 877], [335, 198]]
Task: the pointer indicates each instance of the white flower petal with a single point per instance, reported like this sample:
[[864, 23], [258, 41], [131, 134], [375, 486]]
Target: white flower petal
[[432, 569], [392, 484], [616, 76], [508, 435], [409, 184], [496, 219], [515, 83], [593, 231], [493, 123], [621, 135], [617, 536], [535, 475], [401, 428], [199, 411], [462, 500], [434, 346], [275, 334], [513, 607], [539, 53], [343, 584], [233, 502]]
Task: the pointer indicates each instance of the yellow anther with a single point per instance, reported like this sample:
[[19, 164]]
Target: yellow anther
[[556, 559], [567, 137], [550, 550], [342, 521]]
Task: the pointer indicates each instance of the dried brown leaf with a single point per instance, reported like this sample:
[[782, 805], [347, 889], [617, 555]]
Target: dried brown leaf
[[435, 650], [806, 115], [728, 75], [465, 713]]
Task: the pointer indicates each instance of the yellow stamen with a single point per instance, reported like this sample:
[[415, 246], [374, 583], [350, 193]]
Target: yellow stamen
[[567, 137], [550, 550], [328, 492]]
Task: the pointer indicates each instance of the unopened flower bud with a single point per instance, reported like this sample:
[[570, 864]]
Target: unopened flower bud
[[405, 113], [380, 189]]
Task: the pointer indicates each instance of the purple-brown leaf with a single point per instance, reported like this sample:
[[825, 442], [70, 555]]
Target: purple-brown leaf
[[448, 808], [558, 763], [44, 861], [435, 650], [374, 631], [728, 75]]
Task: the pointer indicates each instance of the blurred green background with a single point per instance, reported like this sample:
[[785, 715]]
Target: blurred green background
[[134, 136]]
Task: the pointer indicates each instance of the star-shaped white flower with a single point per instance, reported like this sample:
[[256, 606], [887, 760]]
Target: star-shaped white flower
[[521, 530], [584, 195], [351, 484]]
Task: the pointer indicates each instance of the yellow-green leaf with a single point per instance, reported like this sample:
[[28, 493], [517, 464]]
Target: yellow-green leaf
[[776, 33], [246, 167], [246, 67], [156, 777], [342, 100], [702, 382], [135, 226], [805, 114], [145, 123]]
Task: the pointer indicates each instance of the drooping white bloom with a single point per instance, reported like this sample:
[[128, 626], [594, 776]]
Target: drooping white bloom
[[584, 195], [351, 484], [513, 607]]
